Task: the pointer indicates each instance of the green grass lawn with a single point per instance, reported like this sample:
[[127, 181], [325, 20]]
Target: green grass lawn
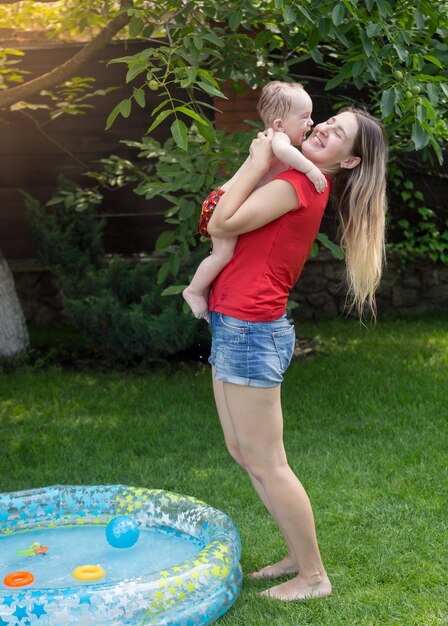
[[365, 430]]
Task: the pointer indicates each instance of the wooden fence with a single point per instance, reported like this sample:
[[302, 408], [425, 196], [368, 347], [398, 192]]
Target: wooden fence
[[32, 158]]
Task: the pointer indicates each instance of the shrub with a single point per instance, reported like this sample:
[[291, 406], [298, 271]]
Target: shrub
[[116, 302]]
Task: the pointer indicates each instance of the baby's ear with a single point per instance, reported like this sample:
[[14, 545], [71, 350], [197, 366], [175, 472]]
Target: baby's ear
[[278, 124]]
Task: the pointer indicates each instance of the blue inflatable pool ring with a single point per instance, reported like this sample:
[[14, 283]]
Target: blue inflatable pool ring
[[192, 592], [122, 532]]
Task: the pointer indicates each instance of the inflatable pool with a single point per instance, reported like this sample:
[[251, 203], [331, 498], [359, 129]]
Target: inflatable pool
[[143, 584]]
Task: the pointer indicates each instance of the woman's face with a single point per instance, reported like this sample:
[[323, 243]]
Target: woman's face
[[330, 145]]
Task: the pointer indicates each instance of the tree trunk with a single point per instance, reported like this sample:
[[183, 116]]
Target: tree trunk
[[65, 71], [13, 332]]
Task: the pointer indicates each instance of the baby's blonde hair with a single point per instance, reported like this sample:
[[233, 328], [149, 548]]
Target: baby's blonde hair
[[275, 101]]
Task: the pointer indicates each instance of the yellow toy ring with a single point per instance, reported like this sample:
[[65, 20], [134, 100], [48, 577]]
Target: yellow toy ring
[[88, 572]]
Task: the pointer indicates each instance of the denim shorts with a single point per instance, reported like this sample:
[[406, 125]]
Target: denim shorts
[[253, 354]]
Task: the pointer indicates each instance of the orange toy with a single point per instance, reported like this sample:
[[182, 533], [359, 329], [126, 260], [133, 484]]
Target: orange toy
[[18, 579]]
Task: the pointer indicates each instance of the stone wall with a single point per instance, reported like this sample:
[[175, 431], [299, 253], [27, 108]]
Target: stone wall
[[419, 288], [413, 290]]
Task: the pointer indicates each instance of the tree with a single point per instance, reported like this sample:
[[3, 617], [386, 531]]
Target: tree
[[13, 333], [394, 54]]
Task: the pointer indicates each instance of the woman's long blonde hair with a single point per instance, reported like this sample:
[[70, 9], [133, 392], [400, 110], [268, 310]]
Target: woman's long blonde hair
[[361, 204]]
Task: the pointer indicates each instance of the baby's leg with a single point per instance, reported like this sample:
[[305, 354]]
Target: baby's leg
[[196, 294]]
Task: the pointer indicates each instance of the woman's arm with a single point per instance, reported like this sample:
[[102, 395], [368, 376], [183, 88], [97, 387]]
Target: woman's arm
[[263, 205]]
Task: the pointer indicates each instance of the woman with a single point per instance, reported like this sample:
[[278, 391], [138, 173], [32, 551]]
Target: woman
[[252, 340]]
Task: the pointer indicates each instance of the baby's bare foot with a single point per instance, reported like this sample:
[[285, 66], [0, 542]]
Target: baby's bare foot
[[299, 589], [197, 303], [281, 568]]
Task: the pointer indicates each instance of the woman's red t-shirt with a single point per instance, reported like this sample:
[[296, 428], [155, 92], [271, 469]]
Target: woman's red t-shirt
[[267, 262]]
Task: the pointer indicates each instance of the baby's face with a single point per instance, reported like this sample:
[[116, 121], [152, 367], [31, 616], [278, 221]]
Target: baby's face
[[297, 122]]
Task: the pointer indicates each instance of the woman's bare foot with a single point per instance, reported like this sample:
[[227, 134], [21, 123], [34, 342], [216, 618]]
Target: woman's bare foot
[[299, 589], [281, 568], [197, 303]]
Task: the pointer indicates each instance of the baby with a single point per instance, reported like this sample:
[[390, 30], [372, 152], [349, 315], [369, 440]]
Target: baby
[[286, 108]]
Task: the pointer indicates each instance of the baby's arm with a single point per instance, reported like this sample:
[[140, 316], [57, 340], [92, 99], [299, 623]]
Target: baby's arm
[[285, 152]]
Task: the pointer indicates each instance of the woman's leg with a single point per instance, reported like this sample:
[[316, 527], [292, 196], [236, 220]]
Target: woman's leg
[[196, 294], [286, 565], [256, 416]]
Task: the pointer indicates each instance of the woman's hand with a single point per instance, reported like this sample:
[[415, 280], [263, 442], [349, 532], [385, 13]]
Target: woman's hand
[[260, 152]]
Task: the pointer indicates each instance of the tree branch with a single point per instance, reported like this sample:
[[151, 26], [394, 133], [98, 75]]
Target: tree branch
[[53, 141], [16, 1], [65, 71]]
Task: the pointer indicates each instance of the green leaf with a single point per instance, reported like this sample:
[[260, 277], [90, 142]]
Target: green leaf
[[419, 136], [139, 96], [207, 132], [433, 60], [433, 94], [148, 30], [289, 15], [179, 132], [373, 29], [314, 249], [160, 106], [187, 210], [235, 20], [422, 113], [112, 115], [163, 272], [387, 102], [366, 43], [208, 77], [192, 72], [263, 38], [165, 239], [173, 290], [317, 55], [338, 13], [384, 8], [444, 87], [324, 26], [401, 52], [135, 26], [127, 60], [419, 19], [334, 249], [191, 113], [163, 115], [198, 42], [214, 39], [125, 107], [358, 68], [134, 71], [175, 263], [212, 91], [339, 78]]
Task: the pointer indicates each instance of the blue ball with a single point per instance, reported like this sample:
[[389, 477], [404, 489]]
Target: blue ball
[[122, 532]]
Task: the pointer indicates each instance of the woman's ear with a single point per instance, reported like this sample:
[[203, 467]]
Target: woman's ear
[[277, 124], [350, 162]]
